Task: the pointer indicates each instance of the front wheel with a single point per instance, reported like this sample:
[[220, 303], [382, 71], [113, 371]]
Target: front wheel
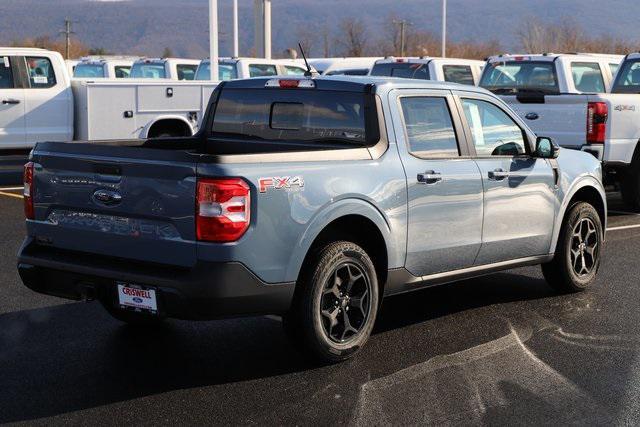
[[336, 303], [577, 259]]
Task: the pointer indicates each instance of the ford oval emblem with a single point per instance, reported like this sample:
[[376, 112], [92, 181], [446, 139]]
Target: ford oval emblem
[[107, 197], [137, 299], [532, 116]]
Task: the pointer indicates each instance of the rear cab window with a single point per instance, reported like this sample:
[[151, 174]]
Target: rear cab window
[[293, 71], [225, 72], [402, 69], [429, 127], [89, 71], [149, 70], [458, 74], [318, 118], [6, 76], [587, 77], [513, 77], [262, 70], [40, 71], [186, 71], [628, 78], [122, 71]]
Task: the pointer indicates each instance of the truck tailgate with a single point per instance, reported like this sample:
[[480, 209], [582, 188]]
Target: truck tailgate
[[130, 202], [562, 118]]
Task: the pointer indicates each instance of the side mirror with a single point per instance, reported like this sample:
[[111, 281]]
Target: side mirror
[[546, 148]]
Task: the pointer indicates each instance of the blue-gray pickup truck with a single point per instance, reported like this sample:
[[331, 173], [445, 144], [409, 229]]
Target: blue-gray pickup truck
[[310, 198]]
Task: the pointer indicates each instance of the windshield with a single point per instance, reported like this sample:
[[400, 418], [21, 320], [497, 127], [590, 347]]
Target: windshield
[[401, 69], [225, 71], [628, 78], [148, 70], [517, 76], [298, 115], [89, 71]]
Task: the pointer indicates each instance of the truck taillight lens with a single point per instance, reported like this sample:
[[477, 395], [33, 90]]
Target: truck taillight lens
[[597, 115], [222, 209], [28, 191]]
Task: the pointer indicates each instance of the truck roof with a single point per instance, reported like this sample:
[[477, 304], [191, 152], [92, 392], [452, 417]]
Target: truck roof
[[355, 83], [426, 60], [550, 57], [635, 55]]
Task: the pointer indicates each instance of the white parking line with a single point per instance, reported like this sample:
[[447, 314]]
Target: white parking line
[[16, 196], [11, 188], [623, 227]]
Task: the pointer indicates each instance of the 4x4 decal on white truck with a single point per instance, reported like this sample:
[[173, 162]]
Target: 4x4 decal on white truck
[[280, 182]]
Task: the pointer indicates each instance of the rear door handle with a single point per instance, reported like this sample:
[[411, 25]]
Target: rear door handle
[[429, 177], [10, 101], [498, 175]]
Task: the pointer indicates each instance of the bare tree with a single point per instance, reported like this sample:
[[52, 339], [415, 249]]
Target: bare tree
[[353, 37]]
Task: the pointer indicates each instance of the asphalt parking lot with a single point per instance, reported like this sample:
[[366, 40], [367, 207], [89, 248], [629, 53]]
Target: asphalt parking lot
[[501, 349]]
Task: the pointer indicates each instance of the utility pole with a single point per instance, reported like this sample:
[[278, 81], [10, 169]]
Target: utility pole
[[262, 18], [403, 34], [213, 39], [67, 34], [236, 48], [444, 28]]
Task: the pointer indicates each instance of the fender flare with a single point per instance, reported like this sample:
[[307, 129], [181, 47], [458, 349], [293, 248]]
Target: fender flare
[[144, 133], [330, 213], [584, 181]]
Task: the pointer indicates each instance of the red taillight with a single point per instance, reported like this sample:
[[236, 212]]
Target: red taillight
[[29, 190], [597, 114], [222, 209], [289, 84]]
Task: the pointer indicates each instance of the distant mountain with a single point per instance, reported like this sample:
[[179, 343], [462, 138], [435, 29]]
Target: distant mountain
[[146, 27]]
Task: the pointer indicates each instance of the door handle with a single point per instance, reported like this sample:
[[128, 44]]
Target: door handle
[[429, 177], [10, 101], [498, 175]]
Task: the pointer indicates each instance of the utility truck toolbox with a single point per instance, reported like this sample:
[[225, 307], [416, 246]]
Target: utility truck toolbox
[[310, 198]]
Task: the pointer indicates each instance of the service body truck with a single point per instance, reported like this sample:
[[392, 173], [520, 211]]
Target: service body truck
[[463, 71], [312, 199], [40, 102]]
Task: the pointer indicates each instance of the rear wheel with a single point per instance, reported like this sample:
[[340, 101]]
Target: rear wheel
[[336, 303], [577, 259]]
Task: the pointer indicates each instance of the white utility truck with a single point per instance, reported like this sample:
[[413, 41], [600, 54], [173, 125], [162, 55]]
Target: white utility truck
[[40, 102], [244, 68], [104, 67], [165, 68], [463, 71]]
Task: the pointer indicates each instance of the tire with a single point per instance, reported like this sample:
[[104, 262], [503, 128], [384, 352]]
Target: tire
[[335, 304], [577, 259], [132, 318], [630, 188]]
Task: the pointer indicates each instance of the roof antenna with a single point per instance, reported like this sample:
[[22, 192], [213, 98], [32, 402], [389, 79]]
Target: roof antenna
[[307, 73]]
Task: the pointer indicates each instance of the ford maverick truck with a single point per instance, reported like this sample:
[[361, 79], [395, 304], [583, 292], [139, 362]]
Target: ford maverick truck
[[313, 199]]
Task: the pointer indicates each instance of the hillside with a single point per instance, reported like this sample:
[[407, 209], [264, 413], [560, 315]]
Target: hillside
[[148, 26]]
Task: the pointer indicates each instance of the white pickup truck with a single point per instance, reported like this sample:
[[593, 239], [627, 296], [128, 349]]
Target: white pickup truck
[[574, 100], [40, 102], [165, 68], [463, 71], [244, 68], [106, 67]]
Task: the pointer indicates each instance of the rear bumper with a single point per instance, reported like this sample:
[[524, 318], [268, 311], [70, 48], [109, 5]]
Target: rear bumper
[[206, 291]]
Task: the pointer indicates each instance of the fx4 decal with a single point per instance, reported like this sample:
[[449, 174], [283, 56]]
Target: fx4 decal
[[280, 182]]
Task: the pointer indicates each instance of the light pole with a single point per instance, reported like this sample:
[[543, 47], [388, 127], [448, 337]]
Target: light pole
[[213, 39], [444, 28], [236, 49], [403, 34]]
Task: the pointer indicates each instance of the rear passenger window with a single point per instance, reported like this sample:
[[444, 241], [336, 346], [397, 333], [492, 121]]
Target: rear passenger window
[[6, 77], [262, 70], [41, 74], [429, 127], [493, 132], [122, 71], [458, 74], [587, 77]]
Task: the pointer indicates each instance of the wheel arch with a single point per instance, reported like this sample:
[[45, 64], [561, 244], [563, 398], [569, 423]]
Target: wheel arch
[[355, 220], [589, 190], [171, 121]]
